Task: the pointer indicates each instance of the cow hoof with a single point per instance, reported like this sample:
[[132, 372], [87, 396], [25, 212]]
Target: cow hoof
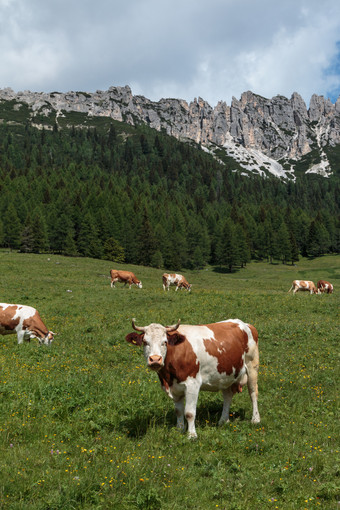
[[192, 435], [222, 422], [256, 420]]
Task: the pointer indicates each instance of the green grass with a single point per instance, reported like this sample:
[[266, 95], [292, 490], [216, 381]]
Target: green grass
[[85, 425]]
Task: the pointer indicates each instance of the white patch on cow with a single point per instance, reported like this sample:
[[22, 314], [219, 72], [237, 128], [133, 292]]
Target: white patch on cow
[[24, 312]]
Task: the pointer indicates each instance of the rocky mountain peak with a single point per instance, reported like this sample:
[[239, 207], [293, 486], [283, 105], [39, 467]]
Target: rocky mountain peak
[[257, 132]]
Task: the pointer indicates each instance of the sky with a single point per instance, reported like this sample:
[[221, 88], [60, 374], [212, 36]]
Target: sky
[[184, 49]]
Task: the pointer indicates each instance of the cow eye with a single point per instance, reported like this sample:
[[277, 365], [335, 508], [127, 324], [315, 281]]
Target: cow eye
[[145, 342]]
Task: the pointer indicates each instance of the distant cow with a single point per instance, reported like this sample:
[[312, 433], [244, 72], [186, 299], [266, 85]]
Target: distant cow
[[222, 356], [324, 286], [126, 277], [303, 285], [25, 321], [175, 279]]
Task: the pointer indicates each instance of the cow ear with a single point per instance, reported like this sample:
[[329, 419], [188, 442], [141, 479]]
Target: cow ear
[[175, 338], [134, 338]]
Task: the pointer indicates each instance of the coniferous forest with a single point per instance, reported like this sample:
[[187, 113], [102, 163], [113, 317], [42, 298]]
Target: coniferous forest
[[135, 195]]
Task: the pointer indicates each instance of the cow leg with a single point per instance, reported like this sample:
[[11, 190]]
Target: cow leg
[[191, 398], [176, 288], [227, 398], [21, 335], [179, 410], [252, 368]]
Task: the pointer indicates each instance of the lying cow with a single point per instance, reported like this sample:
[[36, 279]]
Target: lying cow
[[222, 356], [126, 277], [324, 286], [306, 285], [175, 279], [25, 321]]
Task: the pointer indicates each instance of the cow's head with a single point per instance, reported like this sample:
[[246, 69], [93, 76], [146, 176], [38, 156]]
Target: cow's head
[[155, 339], [139, 284], [47, 339]]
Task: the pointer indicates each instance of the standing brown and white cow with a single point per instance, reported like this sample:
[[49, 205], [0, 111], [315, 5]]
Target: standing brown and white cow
[[324, 286], [175, 279], [306, 285], [25, 321], [126, 277], [223, 356]]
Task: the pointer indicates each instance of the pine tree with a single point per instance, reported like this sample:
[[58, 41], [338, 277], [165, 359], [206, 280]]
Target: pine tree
[[227, 250], [27, 238], [12, 228], [146, 241], [293, 248], [88, 242], [157, 259], [112, 250], [243, 250], [39, 229], [284, 243]]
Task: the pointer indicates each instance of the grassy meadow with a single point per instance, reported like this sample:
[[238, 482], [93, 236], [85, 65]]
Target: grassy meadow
[[83, 424]]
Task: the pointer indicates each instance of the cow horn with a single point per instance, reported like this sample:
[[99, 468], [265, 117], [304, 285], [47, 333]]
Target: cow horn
[[137, 328], [174, 327]]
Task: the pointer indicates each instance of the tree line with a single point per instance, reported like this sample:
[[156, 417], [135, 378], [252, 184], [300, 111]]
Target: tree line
[[131, 194]]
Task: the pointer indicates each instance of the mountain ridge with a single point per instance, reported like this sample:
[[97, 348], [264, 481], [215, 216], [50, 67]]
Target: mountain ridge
[[264, 136]]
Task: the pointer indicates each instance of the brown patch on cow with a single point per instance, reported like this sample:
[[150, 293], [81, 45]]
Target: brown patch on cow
[[36, 325], [6, 318], [322, 286], [228, 346], [135, 338], [180, 363]]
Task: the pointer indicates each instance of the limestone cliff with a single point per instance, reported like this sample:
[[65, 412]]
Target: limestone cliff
[[263, 135]]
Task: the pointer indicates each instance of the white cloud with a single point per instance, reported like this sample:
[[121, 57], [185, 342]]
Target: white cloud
[[215, 50]]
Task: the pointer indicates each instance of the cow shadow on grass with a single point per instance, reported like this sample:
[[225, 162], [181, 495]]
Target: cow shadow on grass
[[206, 414]]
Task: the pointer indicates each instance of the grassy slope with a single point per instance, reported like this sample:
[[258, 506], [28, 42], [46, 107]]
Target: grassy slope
[[85, 425]]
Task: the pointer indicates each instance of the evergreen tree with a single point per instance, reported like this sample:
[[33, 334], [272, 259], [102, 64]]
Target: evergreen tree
[[284, 243], [146, 241], [293, 248], [243, 251], [1, 232], [157, 259], [198, 259], [39, 230], [12, 228], [88, 242], [27, 237], [318, 239], [70, 247], [112, 250], [227, 249]]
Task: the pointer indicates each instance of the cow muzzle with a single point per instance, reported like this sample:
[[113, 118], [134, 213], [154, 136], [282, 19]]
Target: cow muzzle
[[155, 362]]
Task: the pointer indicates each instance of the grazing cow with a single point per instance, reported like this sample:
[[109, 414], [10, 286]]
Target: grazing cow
[[303, 285], [222, 356], [124, 277], [324, 286], [175, 279], [25, 321]]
